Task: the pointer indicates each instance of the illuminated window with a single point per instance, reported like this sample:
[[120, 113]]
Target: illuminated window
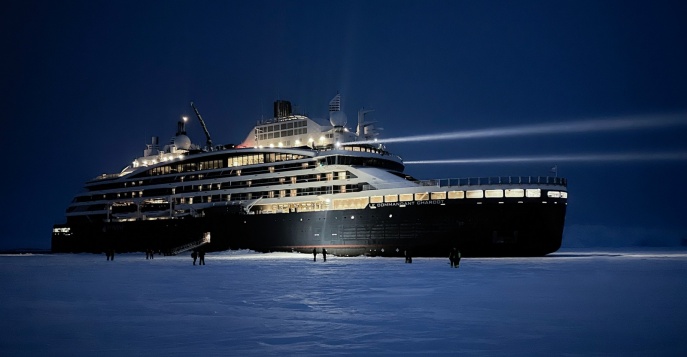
[[376, 199], [424, 196], [493, 193], [405, 197], [533, 192], [553, 194], [438, 195], [564, 194], [391, 198], [515, 192], [475, 194], [452, 195]]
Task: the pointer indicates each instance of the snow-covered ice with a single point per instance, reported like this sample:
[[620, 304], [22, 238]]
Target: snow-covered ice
[[575, 302]]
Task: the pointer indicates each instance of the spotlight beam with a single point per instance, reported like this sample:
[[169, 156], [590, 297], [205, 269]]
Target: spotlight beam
[[618, 157], [585, 126]]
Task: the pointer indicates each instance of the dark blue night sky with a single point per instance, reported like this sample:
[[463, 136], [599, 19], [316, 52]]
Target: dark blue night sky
[[86, 83]]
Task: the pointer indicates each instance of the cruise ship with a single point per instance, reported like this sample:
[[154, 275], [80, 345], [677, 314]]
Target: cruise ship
[[296, 184]]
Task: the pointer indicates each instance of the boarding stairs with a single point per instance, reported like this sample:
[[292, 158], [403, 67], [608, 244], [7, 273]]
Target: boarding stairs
[[191, 245]]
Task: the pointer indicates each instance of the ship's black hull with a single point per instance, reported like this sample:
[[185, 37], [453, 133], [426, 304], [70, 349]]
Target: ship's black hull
[[530, 228]]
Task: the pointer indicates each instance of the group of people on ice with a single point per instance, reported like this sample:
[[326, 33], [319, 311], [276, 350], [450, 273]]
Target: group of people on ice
[[200, 255]]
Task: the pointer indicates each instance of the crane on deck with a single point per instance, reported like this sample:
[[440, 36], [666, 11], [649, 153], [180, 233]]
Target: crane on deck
[[202, 123]]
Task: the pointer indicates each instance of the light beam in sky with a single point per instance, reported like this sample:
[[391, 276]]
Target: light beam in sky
[[618, 157], [584, 126]]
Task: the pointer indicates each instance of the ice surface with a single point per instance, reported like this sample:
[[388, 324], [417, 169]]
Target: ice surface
[[246, 304]]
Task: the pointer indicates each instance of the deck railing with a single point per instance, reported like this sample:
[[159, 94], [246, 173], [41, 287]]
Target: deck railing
[[481, 181], [499, 180]]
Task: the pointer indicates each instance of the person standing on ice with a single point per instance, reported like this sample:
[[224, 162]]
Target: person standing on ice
[[314, 255], [194, 255], [201, 256], [324, 254], [409, 258], [452, 256]]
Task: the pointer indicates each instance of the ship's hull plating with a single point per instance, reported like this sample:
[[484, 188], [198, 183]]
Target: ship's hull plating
[[507, 228]]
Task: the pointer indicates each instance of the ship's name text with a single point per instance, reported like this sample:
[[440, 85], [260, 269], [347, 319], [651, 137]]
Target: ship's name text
[[409, 203]]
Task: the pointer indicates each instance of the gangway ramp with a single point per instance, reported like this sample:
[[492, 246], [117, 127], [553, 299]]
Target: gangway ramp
[[191, 245]]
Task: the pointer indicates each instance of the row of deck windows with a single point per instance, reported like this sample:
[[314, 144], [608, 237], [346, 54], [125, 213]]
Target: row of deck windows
[[283, 162], [273, 181], [509, 193], [241, 160], [305, 191], [362, 202]]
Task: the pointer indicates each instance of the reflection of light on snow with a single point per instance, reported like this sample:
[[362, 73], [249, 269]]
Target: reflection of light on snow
[[286, 304]]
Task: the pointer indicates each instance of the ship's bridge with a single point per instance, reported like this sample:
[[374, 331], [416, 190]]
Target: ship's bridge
[[294, 130]]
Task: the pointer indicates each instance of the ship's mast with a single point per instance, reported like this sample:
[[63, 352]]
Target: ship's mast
[[202, 123], [360, 129]]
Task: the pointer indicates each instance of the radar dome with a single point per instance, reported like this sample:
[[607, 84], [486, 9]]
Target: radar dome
[[337, 118], [182, 142]]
